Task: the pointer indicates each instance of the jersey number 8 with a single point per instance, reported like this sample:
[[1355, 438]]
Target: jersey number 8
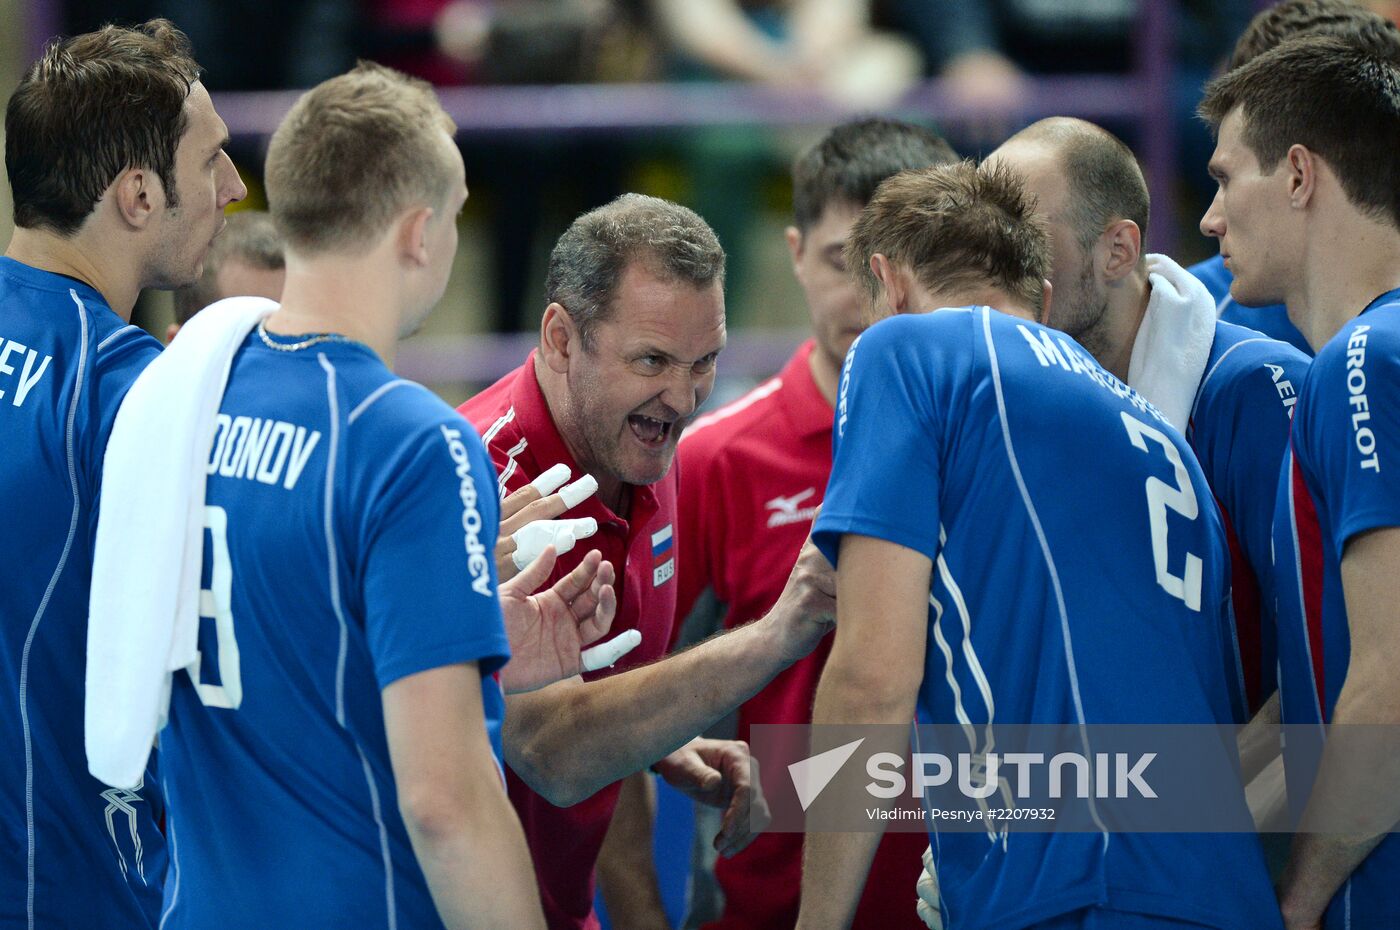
[[216, 602]]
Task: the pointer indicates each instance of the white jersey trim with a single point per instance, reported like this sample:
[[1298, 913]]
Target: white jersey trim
[[374, 396], [1200, 391], [734, 407], [511, 465], [499, 425], [1044, 551], [175, 868], [331, 561], [103, 344], [78, 382]]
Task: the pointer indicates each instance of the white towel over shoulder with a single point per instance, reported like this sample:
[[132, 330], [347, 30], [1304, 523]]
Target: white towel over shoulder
[[1173, 344], [143, 621]]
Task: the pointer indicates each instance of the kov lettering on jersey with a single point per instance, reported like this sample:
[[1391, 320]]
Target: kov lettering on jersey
[[29, 375], [471, 516], [267, 451]]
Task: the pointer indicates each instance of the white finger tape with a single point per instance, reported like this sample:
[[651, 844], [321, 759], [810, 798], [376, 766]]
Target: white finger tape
[[604, 655], [578, 492], [531, 539], [551, 479]]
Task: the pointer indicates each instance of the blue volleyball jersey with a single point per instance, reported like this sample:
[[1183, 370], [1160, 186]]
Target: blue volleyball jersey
[[1272, 320], [1338, 480], [1239, 431], [350, 522], [75, 853], [1080, 577]]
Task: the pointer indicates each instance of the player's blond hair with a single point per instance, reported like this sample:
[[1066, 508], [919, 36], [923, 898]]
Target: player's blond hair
[[353, 153]]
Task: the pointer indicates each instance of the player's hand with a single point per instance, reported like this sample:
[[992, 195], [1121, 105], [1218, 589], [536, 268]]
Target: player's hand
[[541, 499], [717, 773], [548, 631], [930, 906], [807, 607]]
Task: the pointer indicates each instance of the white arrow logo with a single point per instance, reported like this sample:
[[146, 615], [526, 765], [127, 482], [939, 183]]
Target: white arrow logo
[[811, 776]]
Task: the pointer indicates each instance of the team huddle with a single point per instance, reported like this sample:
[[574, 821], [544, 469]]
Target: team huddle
[[289, 642]]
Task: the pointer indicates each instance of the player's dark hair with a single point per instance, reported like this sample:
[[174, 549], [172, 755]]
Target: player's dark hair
[[671, 241], [849, 162], [1292, 19], [1340, 101], [249, 237], [91, 107], [955, 227], [1103, 176]]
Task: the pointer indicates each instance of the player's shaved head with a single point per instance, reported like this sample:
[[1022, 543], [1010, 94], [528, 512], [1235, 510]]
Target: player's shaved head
[[1293, 19], [955, 227], [1105, 182]]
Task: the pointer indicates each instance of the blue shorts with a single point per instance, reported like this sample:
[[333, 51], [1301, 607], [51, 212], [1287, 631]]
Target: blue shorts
[[1098, 918]]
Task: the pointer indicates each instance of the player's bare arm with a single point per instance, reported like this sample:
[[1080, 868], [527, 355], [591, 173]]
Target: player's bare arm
[[466, 836], [571, 739], [1320, 862], [872, 676]]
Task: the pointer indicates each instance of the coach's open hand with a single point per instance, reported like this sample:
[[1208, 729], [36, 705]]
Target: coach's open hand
[[547, 631]]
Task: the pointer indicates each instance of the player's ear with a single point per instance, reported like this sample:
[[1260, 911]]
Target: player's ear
[[892, 283], [793, 235], [413, 235], [1047, 292], [559, 337], [1122, 246], [1302, 175], [136, 193]]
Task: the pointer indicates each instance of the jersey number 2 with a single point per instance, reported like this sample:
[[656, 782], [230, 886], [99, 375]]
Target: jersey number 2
[[1161, 497], [216, 602]]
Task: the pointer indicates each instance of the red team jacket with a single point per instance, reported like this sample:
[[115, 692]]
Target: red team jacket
[[522, 440], [755, 471]]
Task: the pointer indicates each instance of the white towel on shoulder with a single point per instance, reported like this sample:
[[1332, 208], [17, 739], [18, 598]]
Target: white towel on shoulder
[[1173, 343], [143, 618]]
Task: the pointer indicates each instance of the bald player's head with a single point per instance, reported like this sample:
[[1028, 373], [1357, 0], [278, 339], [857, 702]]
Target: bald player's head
[[1091, 193]]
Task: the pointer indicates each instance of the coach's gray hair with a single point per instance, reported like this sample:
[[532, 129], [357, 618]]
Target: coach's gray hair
[[588, 261]]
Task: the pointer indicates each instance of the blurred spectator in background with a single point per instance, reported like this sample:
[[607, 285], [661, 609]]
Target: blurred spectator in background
[[824, 46], [245, 261], [530, 186], [511, 41], [827, 44], [985, 48], [244, 44]]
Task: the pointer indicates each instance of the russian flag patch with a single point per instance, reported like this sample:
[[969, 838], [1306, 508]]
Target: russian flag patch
[[663, 561]]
